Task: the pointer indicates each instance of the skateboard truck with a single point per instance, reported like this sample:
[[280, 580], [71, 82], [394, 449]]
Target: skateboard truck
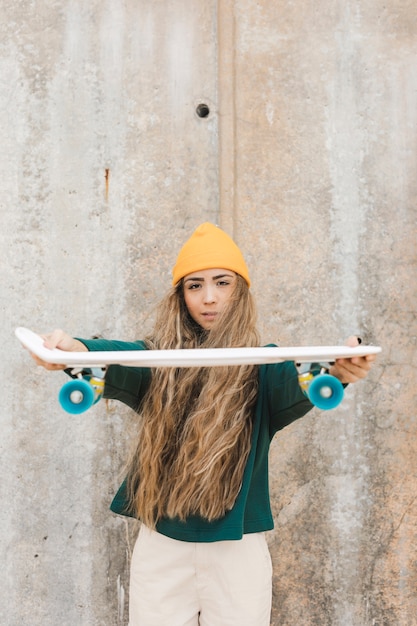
[[323, 390], [85, 390], [87, 387]]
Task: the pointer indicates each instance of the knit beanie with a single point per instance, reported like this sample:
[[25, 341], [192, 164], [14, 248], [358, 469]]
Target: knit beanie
[[209, 247]]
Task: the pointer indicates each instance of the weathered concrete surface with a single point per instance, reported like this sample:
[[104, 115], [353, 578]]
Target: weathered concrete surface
[[309, 158], [104, 165], [326, 139]]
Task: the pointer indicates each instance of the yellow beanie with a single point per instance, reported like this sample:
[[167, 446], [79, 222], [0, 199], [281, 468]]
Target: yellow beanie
[[209, 247]]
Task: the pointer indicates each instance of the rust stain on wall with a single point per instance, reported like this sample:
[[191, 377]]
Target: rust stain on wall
[[107, 183]]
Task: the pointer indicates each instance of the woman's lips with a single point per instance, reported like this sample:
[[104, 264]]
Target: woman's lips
[[209, 315]]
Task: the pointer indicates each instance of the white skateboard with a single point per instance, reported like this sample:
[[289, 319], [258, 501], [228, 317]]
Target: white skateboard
[[80, 394]]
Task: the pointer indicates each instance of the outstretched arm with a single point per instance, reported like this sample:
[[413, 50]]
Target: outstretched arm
[[352, 370]]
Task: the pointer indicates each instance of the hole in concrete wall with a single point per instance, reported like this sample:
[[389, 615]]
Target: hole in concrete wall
[[202, 110]]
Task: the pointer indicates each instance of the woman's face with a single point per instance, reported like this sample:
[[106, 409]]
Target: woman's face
[[206, 294]]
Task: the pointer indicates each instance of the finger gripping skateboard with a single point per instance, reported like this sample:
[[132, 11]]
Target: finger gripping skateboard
[[312, 362]]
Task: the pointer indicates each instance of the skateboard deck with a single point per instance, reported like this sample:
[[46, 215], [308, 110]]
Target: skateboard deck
[[78, 395], [191, 357]]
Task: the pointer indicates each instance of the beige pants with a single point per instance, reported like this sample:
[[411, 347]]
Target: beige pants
[[177, 583]]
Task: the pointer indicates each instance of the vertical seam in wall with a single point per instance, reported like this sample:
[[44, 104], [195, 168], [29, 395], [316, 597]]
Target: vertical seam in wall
[[227, 115]]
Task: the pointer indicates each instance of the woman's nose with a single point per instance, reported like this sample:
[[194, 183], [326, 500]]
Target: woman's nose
[[209, 294]]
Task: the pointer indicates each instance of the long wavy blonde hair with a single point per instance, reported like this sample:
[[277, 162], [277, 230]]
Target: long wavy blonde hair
[[196, 423]]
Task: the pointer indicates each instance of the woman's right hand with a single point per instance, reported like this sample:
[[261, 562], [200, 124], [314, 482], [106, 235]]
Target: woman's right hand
[[62, 341]]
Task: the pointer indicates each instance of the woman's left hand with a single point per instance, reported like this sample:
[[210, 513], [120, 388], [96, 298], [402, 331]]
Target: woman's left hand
[[354, 369]]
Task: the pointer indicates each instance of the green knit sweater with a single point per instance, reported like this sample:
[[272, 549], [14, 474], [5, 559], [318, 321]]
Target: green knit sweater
[[280, 401]]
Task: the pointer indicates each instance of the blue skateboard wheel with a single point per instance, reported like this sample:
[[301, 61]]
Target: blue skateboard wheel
[[76, 396], [325, 391]]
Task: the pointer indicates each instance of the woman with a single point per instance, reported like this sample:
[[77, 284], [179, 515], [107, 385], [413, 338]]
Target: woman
[[198, 476]]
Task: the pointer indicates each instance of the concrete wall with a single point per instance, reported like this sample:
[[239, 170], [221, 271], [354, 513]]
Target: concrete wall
[[308, 157]]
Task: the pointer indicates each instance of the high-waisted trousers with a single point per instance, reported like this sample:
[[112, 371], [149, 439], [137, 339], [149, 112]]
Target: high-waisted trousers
[[178, 583]]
